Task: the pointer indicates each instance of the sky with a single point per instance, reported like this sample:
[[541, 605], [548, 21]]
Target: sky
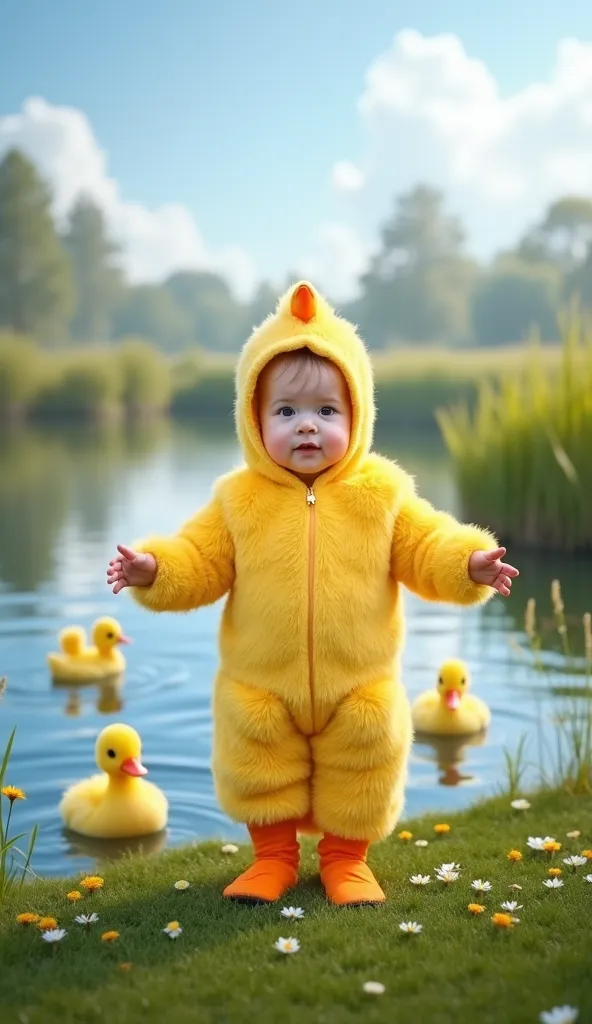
[[263, 138]]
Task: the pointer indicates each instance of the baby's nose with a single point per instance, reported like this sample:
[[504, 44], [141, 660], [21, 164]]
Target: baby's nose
[[307, 426]]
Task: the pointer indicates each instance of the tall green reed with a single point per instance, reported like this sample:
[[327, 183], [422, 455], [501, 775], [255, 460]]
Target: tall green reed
[[12, 871]]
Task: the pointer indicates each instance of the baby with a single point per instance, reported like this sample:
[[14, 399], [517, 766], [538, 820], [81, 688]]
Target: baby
[[311, 541]]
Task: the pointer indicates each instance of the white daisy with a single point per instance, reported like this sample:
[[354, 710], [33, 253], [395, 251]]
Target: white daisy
[[421, 842], [576, 861], [182, 884], [536, 843], [446, 875], [419, 879], [560, 1015], [87, 919], [520, 805], [480, 886], [287, 945], [411, 927], [573, 835], [450, 867], [375, 988], [588, 878], [293, 912], [553, 883], [229, 848], [511, 906], [54, 934], [173, 930]]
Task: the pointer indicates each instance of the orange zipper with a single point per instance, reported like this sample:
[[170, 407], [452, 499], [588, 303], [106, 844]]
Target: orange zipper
[[311, 501]]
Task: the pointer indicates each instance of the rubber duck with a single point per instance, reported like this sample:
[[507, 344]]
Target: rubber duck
[[118, 803], [78, 663], [448, 710]]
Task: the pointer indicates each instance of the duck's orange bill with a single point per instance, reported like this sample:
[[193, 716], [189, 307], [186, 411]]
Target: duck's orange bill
[[133, 766], [452, 698], [123, 639]]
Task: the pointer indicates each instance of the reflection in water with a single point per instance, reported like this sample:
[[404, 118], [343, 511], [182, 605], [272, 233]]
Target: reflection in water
[[449, 752], [112, 849], [108, 694]]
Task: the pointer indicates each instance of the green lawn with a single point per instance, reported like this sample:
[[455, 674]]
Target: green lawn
[[223, 968]]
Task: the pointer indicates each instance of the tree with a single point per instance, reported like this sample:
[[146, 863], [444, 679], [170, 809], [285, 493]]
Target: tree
[[563, 236], [208, 304], [36, 292], [97, 279], [149, 311], [513, 298], [418, 283]]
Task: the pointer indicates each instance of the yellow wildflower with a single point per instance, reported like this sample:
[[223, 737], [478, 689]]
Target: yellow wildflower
[[109, 936], [405, 836], [92, 883], [514, 855], [552, 847], [47, 924], [503, 920], [13, 793], [27, 918], [475, 908], [554, 872], [442, 829], [587, 854], [125, 966], [73, 896]]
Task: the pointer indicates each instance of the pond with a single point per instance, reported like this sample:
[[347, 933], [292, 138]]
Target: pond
[[67, 496]]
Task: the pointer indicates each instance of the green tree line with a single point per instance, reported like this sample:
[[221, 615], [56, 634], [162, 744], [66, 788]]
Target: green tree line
[[422, 285]]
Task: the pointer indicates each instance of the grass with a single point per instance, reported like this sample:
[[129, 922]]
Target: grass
[[135, 377], [224, 967], [522, 455]]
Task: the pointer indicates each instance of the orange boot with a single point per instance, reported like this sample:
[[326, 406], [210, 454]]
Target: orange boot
[[275, 869], [347, 878]]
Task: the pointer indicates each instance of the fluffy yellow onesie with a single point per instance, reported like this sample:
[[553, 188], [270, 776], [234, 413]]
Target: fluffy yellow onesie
[[311, 721]]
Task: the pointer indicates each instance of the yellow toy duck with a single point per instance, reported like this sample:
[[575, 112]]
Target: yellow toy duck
[[118, 803], [78, 663], [448, 710]]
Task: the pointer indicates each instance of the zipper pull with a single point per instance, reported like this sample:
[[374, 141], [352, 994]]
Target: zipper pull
[[310, 497]]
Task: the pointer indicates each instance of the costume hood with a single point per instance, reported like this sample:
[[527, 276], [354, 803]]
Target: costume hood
[[304, 319]]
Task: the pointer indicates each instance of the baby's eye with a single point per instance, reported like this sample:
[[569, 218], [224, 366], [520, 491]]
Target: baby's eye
[[327, 410], [286, 410]]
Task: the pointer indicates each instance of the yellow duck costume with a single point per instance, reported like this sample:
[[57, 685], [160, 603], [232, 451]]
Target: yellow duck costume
[[312, 725]]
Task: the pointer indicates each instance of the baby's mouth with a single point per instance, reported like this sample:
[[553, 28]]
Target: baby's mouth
[[307, 446]]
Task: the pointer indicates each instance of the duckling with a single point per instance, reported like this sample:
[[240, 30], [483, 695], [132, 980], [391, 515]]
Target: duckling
[[448, 710], [118, 803], [79, 663]]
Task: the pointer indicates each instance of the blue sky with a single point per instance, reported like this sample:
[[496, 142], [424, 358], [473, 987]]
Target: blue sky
[[239, 111]]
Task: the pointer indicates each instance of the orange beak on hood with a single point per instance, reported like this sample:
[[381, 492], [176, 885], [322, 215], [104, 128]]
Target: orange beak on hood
[[123, 639]]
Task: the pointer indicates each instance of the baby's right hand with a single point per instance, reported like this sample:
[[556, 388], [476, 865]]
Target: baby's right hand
[[131, 569]]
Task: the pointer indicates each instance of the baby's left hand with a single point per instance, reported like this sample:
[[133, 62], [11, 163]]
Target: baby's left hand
[[486, 568]]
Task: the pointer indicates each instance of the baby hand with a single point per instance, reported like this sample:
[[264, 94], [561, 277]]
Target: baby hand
[[131, 569], [486, 568]]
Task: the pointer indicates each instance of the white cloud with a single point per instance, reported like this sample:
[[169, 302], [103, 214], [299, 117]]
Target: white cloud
[[432, 113], [340, 257], [347, 177], [61, 142]]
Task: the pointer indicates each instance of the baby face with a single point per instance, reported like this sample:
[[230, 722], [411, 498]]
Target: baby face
[[305, 415]]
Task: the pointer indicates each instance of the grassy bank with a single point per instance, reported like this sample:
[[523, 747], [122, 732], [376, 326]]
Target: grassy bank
[[224, 966], [522, 456], [135, 378]]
